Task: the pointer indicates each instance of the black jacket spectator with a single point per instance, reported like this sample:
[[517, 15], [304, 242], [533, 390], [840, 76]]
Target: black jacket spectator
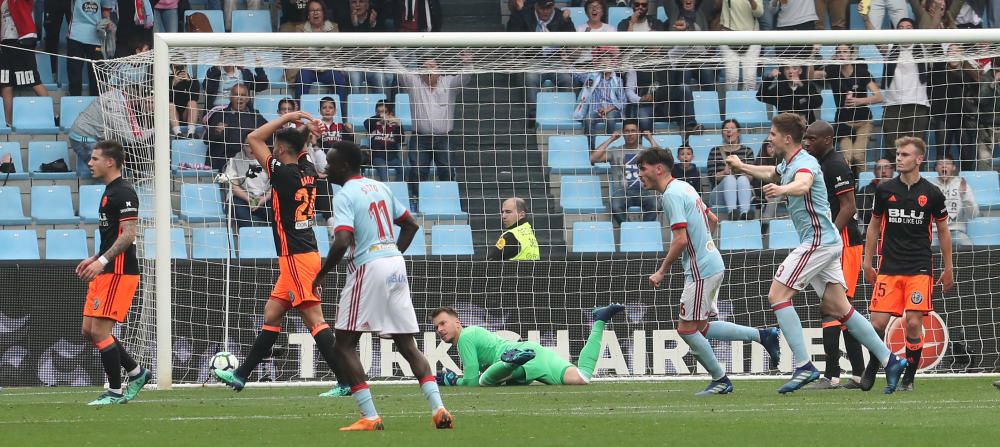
[[785, 97], [691, 175], [225, 143], [256, 80], [654, 24], [841, 85], [403, 13], [525, 21]]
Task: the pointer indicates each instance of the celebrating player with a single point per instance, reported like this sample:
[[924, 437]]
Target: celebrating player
[[293, 181], [816, 261], [902, 216], [691, 239], [488, 360], [112, 274], [839, 180], [376, 297]]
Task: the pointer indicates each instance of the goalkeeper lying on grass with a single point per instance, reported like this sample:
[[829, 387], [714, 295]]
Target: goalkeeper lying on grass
[[488, 360]]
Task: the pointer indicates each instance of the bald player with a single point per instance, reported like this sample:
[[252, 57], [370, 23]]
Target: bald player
[[517, 243]]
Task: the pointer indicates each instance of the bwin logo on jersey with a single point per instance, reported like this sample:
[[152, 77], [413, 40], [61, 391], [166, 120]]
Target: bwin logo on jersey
[[395, 278]]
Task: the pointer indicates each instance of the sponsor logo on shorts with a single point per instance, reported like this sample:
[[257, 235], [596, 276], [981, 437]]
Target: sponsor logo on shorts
[[916, 297], [291, 296], [97, 303], [396, 278], [935, 340]]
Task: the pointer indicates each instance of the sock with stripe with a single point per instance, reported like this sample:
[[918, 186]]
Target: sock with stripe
[[703, 352], [129, 363], [791, 327], [111, 359], [430, 388], [724, 330], [363, 397], [863, 331], [260, 350], [914, 349], [854, 355], [496, 373], [591, 351], [831, 346]]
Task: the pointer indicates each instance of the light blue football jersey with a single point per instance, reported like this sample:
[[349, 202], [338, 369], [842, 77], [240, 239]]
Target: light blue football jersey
[[810, 212], [368, 208], [683, 208]]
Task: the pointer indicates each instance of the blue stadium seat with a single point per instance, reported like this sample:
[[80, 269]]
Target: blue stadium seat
[[191, 152], [828, 109], [985, 185], [53, 205], [593, 237], [44, 64], [251, 21], [34, 115], [11, 210], [864, 178], [310, 104], [782, 235], [267, 105], [451, 240], [744, 106], [215, 18], [201, 202], [322, 239], [361, 107], [66, 244], [401, 193], [641, 237], [4, 128], [404, 111], [418, 247], [702, 145], [984, 230], [178, 248], [569, 154], [70, 107], [740, 235], [753, 141], [616, 14], [440, 200], [877, 112], [706, 109], [18, 245], [669, 141], [577, 14], [47, 151], [581, 194], [211, 243], [876, 70], [661, 14], [257, 243], [271, 61], [14, 149], [555, 112], [89, 202]]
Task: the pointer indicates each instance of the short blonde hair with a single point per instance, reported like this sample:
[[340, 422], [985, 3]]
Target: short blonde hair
[[914, 141]]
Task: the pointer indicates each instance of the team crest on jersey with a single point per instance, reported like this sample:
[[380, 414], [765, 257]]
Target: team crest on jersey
[[922, 200], [916, 297]]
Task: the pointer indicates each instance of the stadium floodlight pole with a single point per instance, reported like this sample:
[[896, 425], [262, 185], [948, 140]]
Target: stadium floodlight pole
[[161, 215]]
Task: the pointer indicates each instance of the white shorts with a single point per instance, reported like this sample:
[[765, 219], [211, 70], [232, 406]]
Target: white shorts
[[376, 298], [815, 266], [699, 297]]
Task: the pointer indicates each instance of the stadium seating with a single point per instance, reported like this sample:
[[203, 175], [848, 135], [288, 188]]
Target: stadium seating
[[257, 243], [361, 107], [828, 109], [201, 202], [14, 149], [18, 245], [251, 21], [555, 112], [451, 240], [744, 107], [322, 239], [864, 178], [53, 205], [189, 152], [669, 142], [702, 146], [577, 14], [984, 231], [440, 200], [581, 194], [34, 115], [753, 141], [89, 202], [44, 64], [706, 109], [211, 243], [215, 18], [661, 14], [616, 14], [4, 127], [45, 152], [271, 61], [310, 104], [66, 244], [404, 111], [593, 237], [985, 185], [782, 235], [401, 193], [568, 154], [640, 237], [11, 210], [178, 249], [418, 247], [267, 105], [740, 235], [70, 107]]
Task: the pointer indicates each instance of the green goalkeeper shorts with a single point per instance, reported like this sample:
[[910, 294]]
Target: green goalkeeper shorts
[[547, 367]]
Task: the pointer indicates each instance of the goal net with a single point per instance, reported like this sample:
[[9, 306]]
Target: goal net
[[467, 121]]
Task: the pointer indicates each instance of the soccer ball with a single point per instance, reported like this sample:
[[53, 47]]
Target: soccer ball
[[224, 361]]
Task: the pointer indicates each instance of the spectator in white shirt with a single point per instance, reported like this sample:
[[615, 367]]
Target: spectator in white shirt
[[958, 197], [251, 204]]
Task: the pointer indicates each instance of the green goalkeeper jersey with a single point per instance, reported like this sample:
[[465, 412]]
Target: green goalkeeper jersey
[[479, 348]]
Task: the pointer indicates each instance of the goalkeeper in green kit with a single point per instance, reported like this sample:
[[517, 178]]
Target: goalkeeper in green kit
[[488, 360]]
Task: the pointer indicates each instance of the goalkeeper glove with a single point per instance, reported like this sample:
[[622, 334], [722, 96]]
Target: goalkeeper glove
[[447, 377]]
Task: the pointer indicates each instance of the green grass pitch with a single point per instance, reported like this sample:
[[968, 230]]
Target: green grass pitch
[[958, 412]]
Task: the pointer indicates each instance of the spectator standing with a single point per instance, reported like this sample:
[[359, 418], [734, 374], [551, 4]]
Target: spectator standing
[[18, 67], [741, 15], [220, 79], [385, 134], [986, 121], [951, 83], [787, 91], [697, 13], [685, 170], [907, 109], [958, 197], [837, 12], [56, 12], [641, 20], [851, 84], [293, 15], [544, 17], [165, 15], [363, 18], [626, 189], [251, 200], [84, 42], [596, 11], [134, 27], [418, 16], [229, 126], [873, 12], [602, 98], [317, 23], [729, 190]]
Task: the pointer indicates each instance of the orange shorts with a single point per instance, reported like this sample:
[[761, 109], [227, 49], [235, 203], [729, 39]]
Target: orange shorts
[[295, 279], [110, 296], [851, 262], [895, 294]]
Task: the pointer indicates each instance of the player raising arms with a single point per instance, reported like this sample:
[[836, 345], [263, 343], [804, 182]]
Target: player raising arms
[[691, 239], [488, 360], [376, 297], [293, 181], [901, 216], [113, 274], [816, 261]]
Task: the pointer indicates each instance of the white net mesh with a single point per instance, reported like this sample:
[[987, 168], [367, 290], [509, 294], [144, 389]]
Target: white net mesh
[[600, 237]]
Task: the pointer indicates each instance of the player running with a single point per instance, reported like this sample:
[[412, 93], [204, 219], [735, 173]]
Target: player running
[[113, 274], [691, 226], [293, 182], [376, 297], [488, 360], [903, 282], [816, 261]]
